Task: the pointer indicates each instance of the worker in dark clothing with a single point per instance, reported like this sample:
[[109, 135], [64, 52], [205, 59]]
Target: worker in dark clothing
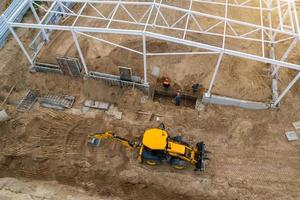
[[195, 86], [178, 99], [166, 84]]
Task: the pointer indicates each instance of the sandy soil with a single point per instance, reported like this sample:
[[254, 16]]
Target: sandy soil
[[251, 158], [24, 189]]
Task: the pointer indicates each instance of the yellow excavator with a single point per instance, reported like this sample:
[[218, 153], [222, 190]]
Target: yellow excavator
[[157, 146]]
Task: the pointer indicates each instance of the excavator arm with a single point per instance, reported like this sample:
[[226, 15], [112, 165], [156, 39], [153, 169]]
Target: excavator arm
[[95, 139]]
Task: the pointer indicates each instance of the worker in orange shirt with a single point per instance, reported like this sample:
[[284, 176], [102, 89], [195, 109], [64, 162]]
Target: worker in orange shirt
[[166, 84]]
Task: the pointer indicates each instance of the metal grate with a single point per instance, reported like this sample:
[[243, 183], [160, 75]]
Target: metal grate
[[57, 101], [70, 66], [28, 100]]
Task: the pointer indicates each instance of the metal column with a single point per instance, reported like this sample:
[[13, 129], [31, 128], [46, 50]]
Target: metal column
[[145, 59], [79, 52], [272, 54], [214, 75], [291, 84], [46, 38], [19, 41]]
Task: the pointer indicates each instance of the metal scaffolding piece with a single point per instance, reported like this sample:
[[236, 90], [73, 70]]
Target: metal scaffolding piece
[[182, 23]]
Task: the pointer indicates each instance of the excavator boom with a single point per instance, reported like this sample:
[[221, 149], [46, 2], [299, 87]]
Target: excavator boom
[[94, 139]]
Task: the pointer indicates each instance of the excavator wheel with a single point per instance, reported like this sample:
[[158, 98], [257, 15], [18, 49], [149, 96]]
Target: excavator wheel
[[150, 158], [151, 162], [178, 163]]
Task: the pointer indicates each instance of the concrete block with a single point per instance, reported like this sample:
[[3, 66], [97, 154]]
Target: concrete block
[[3, 116], [291, 135], [155, 71], [97, 104], [227, 101], [296, 125]]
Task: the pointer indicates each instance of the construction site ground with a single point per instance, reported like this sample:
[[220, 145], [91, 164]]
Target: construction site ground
[[45, 153]]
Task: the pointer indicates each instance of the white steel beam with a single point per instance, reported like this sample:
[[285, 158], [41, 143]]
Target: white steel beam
[[242, 37], [79, 13], [113, 14], [296, 18], [111, 43], [18, 41], [48, 12], [208, 93], [188, 18], [161, 37], [286, 54], [272, 53], [80, 52], [181, 53], [229, 4], [154, 3], [287, 89], [145, 58], [45, 36], [262, 29]]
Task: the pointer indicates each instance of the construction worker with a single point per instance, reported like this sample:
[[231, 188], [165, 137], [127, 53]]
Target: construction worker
[[166, 84], [178, 99], [195, 86]]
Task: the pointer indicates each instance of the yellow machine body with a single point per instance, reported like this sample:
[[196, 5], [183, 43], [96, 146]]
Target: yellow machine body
[[155, 139], [156, 145]]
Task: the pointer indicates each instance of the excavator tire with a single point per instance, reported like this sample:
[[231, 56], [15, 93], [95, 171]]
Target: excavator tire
[[149, 158], [178, 163], [151, 162]]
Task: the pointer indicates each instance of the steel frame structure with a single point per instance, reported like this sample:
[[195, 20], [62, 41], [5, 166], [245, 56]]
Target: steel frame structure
[[278, 25]]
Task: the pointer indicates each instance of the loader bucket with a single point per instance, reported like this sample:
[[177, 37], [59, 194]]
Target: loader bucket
[[200, 157]]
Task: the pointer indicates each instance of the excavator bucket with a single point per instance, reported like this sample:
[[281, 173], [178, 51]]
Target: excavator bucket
[[95, 138], [94, 142]]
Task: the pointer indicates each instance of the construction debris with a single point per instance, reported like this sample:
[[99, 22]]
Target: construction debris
[[155, 71], [125, 73], [144, 99], [113, 111], [69, 66], [9, 93], [151, 115], [97, 104], [199, 105], [291, 135], [59, 102], [28, 100], [296, 125], [3, 116]]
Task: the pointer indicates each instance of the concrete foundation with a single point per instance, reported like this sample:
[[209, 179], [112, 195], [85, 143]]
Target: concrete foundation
[[220, 100]]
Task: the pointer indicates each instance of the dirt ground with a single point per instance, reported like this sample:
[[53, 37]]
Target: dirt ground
[[45, 151]]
